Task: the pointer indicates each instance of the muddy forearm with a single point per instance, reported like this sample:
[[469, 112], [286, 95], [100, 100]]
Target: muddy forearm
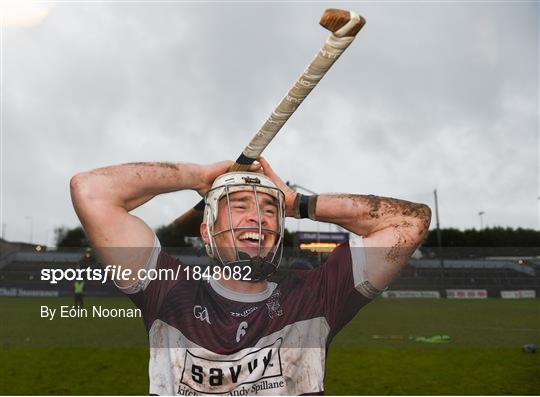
[[130, 185], [365, 215]]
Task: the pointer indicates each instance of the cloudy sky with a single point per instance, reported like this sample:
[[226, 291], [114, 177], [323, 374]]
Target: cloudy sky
[[430, 95]]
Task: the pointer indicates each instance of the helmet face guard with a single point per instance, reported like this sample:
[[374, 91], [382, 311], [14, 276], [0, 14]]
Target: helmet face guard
[[267, 259]]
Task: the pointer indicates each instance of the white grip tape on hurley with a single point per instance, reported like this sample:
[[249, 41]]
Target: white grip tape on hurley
[[353, 19], [325, 58]]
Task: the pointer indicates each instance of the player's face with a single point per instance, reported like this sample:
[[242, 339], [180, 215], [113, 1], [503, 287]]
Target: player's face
[[244, 215]]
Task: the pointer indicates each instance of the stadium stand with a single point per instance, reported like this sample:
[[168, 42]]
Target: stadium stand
[[21, 270], [491, 275]]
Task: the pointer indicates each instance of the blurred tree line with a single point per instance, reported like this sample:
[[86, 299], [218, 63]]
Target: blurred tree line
[[75, 237], [171, 236], [488, 237], [168, 235]]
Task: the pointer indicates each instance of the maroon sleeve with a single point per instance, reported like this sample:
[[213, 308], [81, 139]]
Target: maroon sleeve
[[150, 299], [337, 294]]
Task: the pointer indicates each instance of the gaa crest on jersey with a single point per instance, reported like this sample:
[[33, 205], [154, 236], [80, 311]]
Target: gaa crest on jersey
[[201, 313], [273, 305]]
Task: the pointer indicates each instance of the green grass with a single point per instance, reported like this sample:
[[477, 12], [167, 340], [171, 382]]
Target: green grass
[[109, 356], [448, 371]]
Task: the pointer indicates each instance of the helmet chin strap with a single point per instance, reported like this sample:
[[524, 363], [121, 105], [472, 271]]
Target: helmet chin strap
[[261, 268]]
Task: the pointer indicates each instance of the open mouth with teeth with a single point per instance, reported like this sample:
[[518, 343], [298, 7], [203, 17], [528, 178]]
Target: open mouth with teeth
[[251, 237], [249, 242]]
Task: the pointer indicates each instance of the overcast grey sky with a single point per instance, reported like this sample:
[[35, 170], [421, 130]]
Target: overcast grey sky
[[430, 95]]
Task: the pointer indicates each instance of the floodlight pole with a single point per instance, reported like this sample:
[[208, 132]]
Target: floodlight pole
[[481, 220], [439, 242], [538, 205]]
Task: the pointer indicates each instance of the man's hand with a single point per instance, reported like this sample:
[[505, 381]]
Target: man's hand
[[290, 194], [209, 173]]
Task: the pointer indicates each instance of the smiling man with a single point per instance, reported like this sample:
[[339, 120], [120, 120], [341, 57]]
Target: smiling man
[[238, 333], [243, 227]]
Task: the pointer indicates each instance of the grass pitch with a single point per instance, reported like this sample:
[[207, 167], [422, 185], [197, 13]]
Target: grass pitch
[[372, 355]]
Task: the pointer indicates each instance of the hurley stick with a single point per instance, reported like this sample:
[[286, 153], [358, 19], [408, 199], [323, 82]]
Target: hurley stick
[[344, 26]]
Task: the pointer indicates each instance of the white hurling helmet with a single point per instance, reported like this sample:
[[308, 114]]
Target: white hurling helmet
[[262, 265]]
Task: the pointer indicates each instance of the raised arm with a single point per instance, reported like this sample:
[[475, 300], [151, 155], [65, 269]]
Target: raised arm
[[102, 199], [392, 229]]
